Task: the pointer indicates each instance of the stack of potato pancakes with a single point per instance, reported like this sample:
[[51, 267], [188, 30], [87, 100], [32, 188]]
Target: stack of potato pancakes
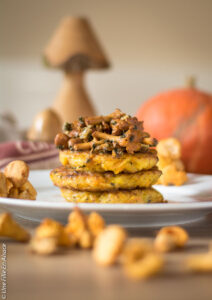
[[107, 159]]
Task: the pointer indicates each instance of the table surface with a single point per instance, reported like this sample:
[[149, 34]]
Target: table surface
[[74, 275]]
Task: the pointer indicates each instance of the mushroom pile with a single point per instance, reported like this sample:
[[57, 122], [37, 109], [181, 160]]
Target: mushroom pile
[[116, 133]]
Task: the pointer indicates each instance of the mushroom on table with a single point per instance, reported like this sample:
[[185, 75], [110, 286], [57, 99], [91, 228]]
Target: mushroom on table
[[44, 126]]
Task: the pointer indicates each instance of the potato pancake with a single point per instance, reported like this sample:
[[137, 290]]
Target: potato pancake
[[107, 159], [148, 195], [65, 177], [130, 163]]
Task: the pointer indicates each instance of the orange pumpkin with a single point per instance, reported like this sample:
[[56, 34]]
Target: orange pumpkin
[[187, 115]]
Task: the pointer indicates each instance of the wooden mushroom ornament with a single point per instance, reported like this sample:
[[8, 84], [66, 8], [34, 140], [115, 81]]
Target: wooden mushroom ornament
[[45, 126], [74, 48]]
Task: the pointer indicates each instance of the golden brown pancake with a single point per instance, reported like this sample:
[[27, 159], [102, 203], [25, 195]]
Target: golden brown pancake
[[148, 195], [101, 162], [65, 177]]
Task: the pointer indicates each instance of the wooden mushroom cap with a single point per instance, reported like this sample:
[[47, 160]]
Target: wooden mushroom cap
[[45, 126], [75, 46]]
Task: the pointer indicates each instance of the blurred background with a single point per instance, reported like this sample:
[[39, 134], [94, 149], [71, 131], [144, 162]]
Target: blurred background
[[153, 45]]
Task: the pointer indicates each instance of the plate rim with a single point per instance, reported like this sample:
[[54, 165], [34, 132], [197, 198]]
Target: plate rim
[[132, 207]]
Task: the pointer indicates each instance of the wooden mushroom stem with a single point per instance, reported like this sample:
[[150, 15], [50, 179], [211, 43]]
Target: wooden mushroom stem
[[73, 100]]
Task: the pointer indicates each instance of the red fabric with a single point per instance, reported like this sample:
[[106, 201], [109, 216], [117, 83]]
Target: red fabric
[[36, 154]]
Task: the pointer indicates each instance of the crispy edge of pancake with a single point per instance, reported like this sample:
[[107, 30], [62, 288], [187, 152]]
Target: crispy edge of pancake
[[86, 181], [147, 195], [130, 163]]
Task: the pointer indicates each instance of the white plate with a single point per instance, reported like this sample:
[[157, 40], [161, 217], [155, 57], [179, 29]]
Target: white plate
[[187, 203]]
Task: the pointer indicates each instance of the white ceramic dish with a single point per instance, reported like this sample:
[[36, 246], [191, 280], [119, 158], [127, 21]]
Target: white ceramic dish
[[187, 203]]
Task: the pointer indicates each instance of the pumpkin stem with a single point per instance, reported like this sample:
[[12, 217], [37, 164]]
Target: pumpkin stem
[[191, 82]]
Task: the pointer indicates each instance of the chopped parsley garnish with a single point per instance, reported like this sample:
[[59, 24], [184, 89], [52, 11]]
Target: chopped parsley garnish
[[67, 127]]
